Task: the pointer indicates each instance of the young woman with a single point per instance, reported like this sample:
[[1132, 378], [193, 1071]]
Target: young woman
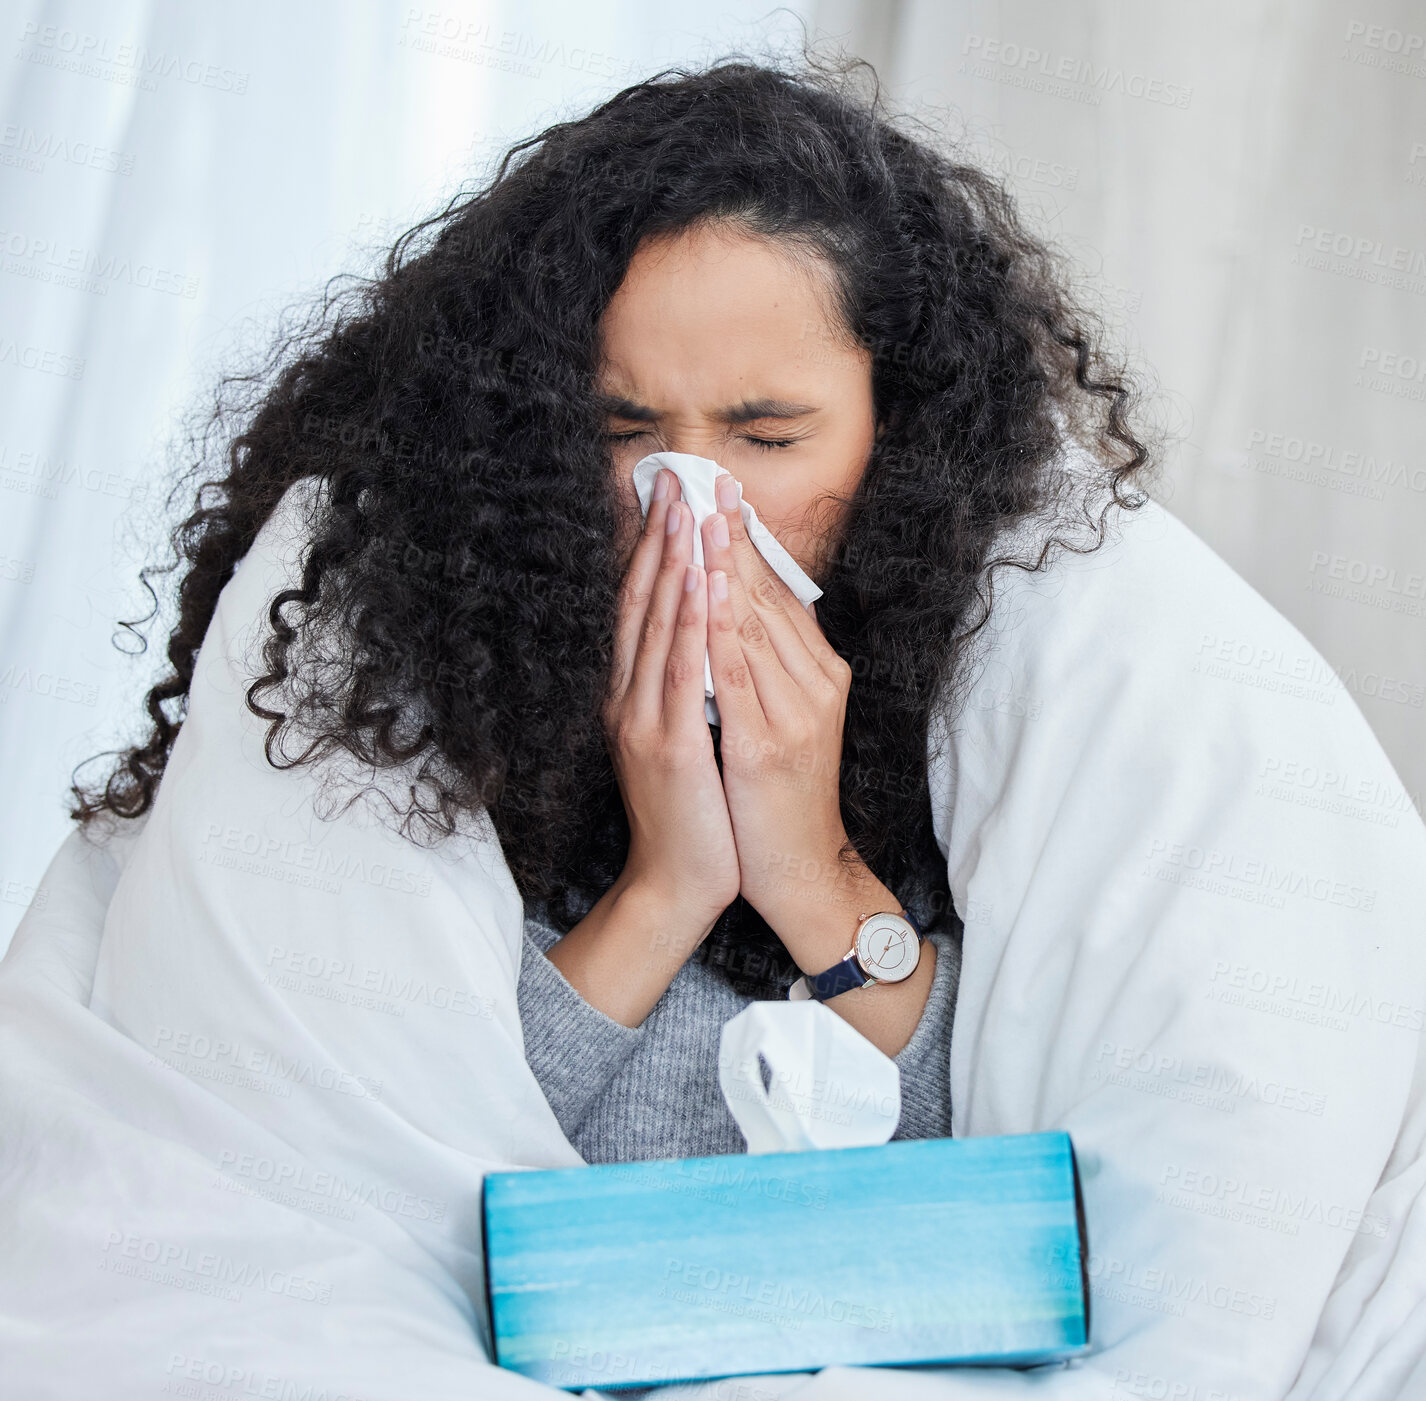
[[750, 265]]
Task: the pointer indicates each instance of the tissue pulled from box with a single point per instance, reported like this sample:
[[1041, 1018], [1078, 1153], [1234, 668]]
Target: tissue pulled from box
[[827, 1085]]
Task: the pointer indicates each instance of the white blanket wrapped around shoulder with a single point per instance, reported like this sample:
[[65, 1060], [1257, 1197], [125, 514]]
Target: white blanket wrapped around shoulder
[[254, 1062]]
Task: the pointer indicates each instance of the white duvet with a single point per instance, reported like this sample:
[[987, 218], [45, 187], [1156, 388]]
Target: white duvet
[[254, 1063]]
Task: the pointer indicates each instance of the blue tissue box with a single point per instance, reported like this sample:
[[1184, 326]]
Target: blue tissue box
[[932, 1251]]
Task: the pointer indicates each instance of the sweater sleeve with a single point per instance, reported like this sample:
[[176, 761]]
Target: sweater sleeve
[[572, 1047], [925, 1060]]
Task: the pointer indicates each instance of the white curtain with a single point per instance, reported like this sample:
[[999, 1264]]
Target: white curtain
[[172, 176], [1243, 185]]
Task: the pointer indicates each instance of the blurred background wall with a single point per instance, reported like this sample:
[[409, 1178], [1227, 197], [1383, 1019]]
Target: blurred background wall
[[1241, 187]]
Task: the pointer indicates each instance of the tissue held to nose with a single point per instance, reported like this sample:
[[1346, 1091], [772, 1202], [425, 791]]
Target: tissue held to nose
[[698, 478]]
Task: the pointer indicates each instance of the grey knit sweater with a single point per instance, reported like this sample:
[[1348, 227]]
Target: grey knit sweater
[[625, 1093]]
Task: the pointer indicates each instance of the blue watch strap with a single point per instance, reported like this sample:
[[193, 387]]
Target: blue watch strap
[[840, 977], [846, 975]]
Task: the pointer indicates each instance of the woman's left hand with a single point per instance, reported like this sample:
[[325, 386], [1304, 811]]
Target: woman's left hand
[[782, 699]]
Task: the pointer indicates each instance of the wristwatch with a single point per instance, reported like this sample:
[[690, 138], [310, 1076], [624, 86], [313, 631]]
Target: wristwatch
[[886, 949]]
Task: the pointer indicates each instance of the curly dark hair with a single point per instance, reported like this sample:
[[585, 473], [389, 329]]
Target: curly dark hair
[[466, 546]]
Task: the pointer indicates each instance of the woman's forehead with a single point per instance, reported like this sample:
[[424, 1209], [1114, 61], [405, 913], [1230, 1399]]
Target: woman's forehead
[[717, 320], [705, 283]]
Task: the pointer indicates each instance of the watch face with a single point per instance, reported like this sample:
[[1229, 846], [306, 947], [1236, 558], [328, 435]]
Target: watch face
[[888, 948]]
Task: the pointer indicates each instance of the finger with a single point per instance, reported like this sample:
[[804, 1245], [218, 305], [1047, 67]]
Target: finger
[[739, 705], [644, 698], [745, 550], [638, 585], [753, 566], [683, 676], [779, 658]]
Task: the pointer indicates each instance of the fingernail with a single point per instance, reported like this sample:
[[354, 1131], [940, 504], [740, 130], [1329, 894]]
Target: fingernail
[[720, 531], [660, 484], [690, 579], [720, 584], [672, 518], [727, 492]]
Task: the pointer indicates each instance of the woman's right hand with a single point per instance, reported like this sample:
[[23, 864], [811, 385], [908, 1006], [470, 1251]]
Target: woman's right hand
[[682, 856]]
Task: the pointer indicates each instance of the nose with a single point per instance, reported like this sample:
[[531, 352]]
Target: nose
[[698, 439]]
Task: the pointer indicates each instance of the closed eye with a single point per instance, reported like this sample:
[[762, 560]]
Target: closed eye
[[766, 444]]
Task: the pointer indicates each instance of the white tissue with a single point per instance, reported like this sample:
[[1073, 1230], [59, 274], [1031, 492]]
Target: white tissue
[[829, 1087], [698, 477]]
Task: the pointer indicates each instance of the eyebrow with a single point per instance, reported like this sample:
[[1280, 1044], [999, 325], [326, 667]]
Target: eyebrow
[[748, 411]]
